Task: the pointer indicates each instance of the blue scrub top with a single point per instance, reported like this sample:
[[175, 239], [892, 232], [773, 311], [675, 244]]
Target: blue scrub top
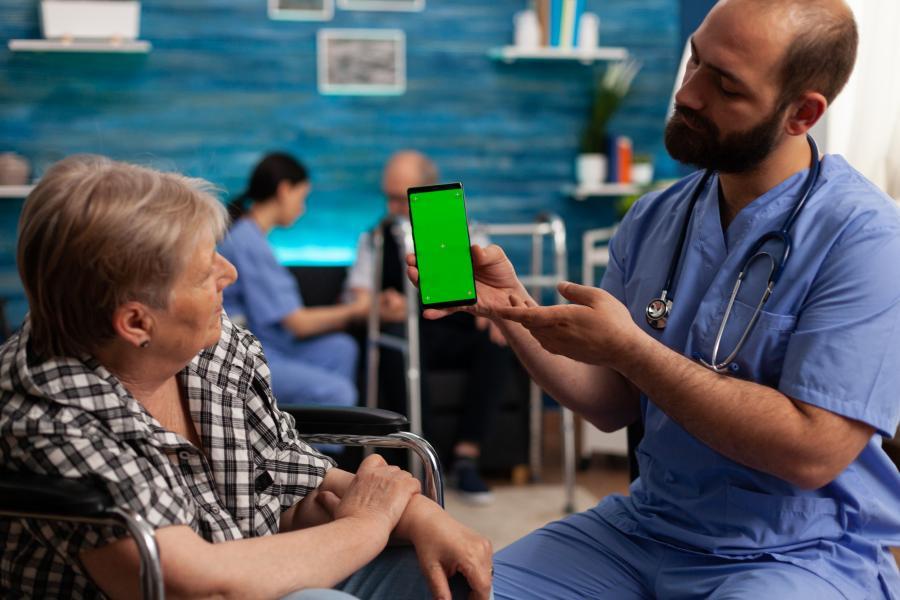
[[265, 292], [830, 336]]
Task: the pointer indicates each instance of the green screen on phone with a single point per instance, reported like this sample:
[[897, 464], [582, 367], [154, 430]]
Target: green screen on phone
[[441, 237]]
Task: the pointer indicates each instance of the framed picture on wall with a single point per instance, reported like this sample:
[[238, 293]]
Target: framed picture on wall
[[362, 62], [407, 5], [301, 10]]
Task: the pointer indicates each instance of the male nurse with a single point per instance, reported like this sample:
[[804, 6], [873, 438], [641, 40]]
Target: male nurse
[[765, 477]]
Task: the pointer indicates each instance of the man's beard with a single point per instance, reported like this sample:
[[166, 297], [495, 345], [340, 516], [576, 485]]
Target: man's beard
[[704, 147]]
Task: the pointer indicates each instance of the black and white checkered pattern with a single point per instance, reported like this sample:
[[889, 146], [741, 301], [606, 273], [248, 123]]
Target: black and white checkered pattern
[[74, 419]]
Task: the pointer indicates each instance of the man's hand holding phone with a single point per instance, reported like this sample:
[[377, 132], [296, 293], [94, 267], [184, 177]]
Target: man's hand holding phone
[[495, 283]]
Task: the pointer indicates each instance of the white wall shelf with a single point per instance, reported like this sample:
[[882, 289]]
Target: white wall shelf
[[582, 192], [15, 191], [513, 53], [64, 45]]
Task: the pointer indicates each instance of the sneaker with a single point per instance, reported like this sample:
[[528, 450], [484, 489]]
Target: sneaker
[[464, 478]]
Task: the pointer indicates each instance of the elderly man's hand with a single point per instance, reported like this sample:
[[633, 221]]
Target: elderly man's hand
[[446, 547], [392, 306], [595, 328]]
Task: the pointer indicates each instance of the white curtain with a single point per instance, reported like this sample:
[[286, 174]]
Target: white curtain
[[864, 122]]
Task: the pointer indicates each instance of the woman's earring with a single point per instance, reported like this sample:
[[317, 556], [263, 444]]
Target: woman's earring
[[145, 344]]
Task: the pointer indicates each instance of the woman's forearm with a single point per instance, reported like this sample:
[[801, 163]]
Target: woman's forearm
[[320, 556], [262, 567], [316, 320], [419, 508]]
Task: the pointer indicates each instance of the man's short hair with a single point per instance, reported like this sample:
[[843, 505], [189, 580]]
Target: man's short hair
[[822, 55], [95, 234]]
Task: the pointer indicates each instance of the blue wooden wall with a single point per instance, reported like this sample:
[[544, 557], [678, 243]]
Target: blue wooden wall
[[224, 83], [692, 14]]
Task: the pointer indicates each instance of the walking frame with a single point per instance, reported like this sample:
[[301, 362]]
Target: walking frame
[[545, 225]]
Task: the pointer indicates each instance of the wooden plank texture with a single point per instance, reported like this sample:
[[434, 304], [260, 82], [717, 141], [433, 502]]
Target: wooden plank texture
[[224, 83]]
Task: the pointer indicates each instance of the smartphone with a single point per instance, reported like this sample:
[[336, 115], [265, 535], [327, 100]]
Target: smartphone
[[441, 242]]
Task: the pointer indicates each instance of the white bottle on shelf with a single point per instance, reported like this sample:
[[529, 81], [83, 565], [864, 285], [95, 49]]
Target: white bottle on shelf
[[527, 30], [588, 32]]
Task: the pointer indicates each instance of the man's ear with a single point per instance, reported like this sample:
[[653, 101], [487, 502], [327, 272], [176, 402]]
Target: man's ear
[[805, 112], [134, 323]]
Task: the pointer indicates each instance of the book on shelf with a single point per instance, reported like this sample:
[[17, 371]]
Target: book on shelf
[[619, 155], [559, 21], [542, 9]]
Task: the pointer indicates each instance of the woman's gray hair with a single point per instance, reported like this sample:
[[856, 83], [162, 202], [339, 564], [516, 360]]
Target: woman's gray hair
[[96, 233]]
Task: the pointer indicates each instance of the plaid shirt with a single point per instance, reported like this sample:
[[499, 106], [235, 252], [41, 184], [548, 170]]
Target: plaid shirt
[[73, 418]]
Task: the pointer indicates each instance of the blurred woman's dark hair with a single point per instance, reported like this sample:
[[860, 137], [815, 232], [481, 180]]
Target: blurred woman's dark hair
[[274, 168]]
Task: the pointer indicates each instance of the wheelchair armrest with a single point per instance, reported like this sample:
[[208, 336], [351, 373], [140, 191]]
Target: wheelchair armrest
[[51, 495], [353, 420]]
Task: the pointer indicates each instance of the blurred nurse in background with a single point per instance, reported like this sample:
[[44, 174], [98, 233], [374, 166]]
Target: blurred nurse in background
[[312, 361]]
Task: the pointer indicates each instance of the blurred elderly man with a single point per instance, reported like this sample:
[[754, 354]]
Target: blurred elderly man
[[462, 342]]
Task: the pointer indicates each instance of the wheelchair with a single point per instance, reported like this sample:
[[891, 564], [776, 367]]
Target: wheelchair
[[42, 497]]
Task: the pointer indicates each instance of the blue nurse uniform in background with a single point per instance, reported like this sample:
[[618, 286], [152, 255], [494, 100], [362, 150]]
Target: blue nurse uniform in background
[[317, 370], [696, 524]]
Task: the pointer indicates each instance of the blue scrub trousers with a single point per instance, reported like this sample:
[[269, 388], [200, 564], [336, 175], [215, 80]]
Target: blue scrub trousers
[[318, 371], [583, 556]]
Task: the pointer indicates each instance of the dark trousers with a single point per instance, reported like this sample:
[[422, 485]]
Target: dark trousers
[[451, 343]]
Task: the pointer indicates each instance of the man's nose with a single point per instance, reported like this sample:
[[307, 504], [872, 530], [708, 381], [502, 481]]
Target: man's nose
[[689, 94]]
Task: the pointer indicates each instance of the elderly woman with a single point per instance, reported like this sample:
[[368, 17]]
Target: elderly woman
[[127, 371]]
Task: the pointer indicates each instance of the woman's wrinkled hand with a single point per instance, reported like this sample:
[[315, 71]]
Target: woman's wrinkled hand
[[446, 547], [378, 493]]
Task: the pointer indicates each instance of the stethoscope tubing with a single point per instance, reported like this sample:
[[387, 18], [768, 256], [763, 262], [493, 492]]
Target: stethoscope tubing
[[668, 287], [658, 310]]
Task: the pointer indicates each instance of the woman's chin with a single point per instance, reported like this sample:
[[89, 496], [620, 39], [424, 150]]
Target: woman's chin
[[215, 332]]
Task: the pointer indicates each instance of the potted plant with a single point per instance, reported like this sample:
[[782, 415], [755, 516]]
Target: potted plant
[[591, 164]]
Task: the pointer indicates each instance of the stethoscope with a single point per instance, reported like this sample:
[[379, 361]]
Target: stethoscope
[[659, 309]]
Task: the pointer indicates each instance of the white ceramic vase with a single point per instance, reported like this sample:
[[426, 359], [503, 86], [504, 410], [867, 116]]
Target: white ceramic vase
[[642, 173], [590, 169]]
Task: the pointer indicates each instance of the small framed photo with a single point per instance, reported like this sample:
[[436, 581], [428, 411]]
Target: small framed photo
[[399, 5], [301, 10], [362, 62]]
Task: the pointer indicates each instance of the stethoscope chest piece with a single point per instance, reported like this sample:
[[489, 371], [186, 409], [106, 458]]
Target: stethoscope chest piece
[[658, 312]]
